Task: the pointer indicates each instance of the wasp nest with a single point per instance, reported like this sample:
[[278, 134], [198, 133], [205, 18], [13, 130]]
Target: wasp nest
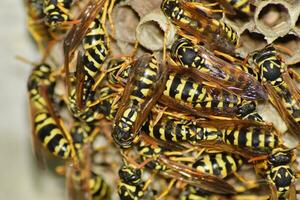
[[273, 21]]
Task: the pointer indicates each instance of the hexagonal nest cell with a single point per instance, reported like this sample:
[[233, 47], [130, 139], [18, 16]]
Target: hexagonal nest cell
[[273, 19], [250, 41], [288, 46]]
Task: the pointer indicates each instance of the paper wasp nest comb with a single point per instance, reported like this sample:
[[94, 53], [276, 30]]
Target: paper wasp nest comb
[[273, 21]]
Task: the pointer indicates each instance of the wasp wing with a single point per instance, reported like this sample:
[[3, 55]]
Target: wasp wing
[[191, 176]]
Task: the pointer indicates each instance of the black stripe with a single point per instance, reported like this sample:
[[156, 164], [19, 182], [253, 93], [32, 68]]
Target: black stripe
[[215, 103], [242, 139], [180, 130], [156, 132], [174, 86], [169, 129], [45, 131], [267, 140], [186, 90], [197, 93], [54, 142], [215, 165], [62, 150], [256, 132], [138, 93], [150, 77], [90, 39], [89, 64], [228, 165], [142, 85], [229, 137]]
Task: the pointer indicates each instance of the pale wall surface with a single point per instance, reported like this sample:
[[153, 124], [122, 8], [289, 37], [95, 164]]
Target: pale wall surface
[[19, 176]]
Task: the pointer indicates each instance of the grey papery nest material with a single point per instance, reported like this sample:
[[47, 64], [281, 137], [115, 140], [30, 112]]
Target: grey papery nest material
[[273, 22], [153, 28]]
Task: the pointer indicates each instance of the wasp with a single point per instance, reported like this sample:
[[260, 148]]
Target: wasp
[[214, 69], [214, 33], [91, 33], [47, 126], [243, 135], [184, 93], [95, 51], [162, 163], [142, 90], [188, 93], [79, 31], [282, 90], [277, 168]]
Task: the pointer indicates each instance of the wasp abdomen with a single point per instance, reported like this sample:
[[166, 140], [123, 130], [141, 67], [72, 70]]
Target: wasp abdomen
[[51, 135]]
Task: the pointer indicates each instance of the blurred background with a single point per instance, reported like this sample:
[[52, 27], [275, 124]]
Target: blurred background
[[19, 176]]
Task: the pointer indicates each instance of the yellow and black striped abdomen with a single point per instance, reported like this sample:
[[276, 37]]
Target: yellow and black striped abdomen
[[255, 138], [142, 83], [40, 76], [51, 135], [175, 130], [199, 95], [227, 32], [56, 11], [181, 88], [218, 164], [99, 189], [130, 186], [129, 192], [145, 79], [171, 130], [95, 46]]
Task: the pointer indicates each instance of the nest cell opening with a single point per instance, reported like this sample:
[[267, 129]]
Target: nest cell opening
[[289, 44], [274, 16], [151, 35], [251, 41]]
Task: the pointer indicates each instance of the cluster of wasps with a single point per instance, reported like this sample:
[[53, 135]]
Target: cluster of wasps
[[181, 122]]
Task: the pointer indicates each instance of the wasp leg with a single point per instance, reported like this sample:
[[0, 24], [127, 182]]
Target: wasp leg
[[159, 115], [206, 8], [193, 39], [172, 114], [225, 56], [111, 23], [283, 49], [103, 20]]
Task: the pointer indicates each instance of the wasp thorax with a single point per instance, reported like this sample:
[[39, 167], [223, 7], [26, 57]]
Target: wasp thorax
[[122, 137], [280, 158]]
